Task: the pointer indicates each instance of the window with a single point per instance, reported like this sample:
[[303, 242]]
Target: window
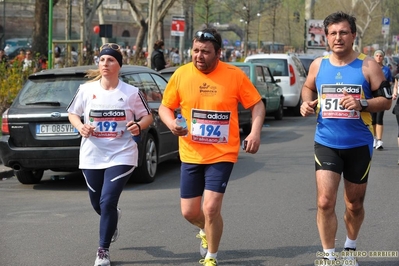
[[43, 91], [260, 77], [267, 75], [246, 70], [278, 67]]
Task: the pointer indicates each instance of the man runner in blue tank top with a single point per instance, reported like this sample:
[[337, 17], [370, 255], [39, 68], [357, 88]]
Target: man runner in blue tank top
[[348, 85]]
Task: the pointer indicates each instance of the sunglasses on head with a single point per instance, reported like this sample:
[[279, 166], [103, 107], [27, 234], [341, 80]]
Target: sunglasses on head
[[113, 46], [205, 36]]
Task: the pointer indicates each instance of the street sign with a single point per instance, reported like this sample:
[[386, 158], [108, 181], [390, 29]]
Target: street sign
[[177, 27], [385, 26], [386, 21]]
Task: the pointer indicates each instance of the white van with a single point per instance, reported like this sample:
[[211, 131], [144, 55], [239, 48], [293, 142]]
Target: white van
[[289, 69]]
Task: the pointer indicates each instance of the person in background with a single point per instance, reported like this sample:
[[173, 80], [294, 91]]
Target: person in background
[[29, 63], [108, 154], [176, 58], [96, 57], [19, 59], [348, 85], [74, 56], [3, 57], [58, 61], [42, 63], [157, 57], [378, 117], [208, 91], [395, 110]]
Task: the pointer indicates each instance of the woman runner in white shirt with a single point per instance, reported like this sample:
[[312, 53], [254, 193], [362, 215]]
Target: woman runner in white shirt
[[108, 154]]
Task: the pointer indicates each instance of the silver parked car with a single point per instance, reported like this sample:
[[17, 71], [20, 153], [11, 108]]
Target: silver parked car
[[289, 69]]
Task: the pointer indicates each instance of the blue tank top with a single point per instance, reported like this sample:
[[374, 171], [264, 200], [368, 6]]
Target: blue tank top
[[337, 127]]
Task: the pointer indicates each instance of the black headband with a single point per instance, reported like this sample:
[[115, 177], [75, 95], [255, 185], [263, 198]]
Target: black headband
[[112, 52]]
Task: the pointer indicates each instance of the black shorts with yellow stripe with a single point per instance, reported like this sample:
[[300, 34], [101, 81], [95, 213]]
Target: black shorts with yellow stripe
[[353, 163]]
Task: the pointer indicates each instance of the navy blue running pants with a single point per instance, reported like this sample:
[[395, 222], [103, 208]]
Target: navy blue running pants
[[105, 187]]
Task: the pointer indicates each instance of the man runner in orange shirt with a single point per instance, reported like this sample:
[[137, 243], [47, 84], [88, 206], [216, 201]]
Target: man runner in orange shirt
[[208, 92]]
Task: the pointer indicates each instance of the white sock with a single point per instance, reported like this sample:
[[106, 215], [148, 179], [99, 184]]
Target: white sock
[[211, 255], [202, 231], [330, 252], [349, 243]]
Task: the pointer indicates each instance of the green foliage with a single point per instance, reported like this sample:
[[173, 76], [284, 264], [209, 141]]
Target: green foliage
[[12, 79]]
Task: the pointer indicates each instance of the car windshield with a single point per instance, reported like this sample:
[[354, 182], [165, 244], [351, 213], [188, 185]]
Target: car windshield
[[278, 67], [49, 91]]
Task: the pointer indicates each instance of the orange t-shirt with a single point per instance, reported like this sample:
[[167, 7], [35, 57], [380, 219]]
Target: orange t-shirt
[[209, 102]]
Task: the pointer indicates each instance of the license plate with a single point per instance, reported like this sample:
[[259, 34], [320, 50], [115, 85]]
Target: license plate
[[55, 129]]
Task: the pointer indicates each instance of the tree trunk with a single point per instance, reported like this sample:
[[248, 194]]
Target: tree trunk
[[40, 29]]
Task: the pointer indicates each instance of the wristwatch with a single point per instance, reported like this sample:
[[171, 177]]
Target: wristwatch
[[364, 104]]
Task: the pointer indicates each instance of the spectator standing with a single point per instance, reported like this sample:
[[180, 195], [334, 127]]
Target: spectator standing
[[176, 57], [349, 85], [3, 57], [29, 63], [108, 155], [96, 57], [74, 56], [157, 57], [128, 53], [19, 59], [42, 63], [378, 117], [58, 62]]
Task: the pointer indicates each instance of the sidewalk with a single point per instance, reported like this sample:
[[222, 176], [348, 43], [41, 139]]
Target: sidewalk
[[5, 172]]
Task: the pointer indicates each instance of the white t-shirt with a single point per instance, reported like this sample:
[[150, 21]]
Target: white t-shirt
[[109, 111]]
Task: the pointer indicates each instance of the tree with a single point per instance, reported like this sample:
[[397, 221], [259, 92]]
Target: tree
[[152, 25], [363, 21], [89, 9], [40, 28]]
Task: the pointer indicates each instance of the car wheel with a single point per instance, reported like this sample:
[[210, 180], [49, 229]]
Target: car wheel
[[146, 172], [278, 115], [29, 176]]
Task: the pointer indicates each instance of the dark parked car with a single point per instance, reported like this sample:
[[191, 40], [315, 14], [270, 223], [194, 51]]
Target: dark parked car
[[244, 115], [168, 72], [306, 60], [37, 135], [263, 80]]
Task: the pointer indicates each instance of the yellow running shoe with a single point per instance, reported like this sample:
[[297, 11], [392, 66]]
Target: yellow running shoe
[[208, 262], [203, 245]]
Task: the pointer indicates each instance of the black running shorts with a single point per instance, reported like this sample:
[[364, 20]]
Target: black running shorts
[[353, 163]]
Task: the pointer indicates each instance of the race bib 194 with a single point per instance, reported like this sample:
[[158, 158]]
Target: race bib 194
[[210, 127]]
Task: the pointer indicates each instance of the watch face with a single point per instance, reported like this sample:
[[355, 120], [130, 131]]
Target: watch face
[[364, 103]]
